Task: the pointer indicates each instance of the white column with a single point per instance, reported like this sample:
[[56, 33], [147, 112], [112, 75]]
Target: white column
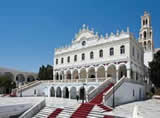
[[71, 77], [49, 92], [69, 95], [106, 74], [117, 75], [87, 75], [79, 76], [61, 93], [129, 73], [96, 76]]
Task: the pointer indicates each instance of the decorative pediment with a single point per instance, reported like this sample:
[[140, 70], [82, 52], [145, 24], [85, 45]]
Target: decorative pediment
[[84, 34]]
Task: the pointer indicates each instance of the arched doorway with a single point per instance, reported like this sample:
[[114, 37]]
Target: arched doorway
[[62, 75], [75, 74], [91, 73], [101, 72], [58, 92], [65, 92], [111, 71], [52, 92], [30, 78], [83, 73], [69, 74], [82, 93], [73, 93], [57, 76], [20, 78], [122, 71]]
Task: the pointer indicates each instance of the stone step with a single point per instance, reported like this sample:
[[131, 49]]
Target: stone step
[[41, 116]]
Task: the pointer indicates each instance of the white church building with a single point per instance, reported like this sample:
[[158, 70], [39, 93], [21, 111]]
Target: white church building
[[93, 62], [93, 58]]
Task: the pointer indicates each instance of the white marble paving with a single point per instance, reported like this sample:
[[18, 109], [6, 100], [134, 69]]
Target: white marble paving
[[146, 109]]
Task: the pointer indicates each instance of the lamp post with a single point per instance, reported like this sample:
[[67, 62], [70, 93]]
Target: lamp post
[[83, 93], [113, 97], [20, 89], [11, 87]]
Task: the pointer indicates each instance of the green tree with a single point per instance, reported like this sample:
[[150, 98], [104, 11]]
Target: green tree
[[6, 84], [154, 70], [45, 73]]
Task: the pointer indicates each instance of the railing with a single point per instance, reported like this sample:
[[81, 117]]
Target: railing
[[18, 90], [110, 91], [33, 110], [95, 91], [80, 80], [101, 79], [29, 83]]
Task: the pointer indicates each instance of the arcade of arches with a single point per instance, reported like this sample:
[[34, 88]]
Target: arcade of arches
[[71, 93], [101, 72]]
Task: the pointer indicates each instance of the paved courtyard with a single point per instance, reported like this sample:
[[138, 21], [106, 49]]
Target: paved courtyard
[[146, 109]]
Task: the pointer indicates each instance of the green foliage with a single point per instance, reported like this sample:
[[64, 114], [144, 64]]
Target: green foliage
[[6, 84], [154, 71], [45, 73]]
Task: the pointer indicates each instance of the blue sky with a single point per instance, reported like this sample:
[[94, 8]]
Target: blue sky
[[31, 29]]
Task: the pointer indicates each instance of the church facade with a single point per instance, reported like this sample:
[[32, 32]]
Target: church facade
[[91, 57]]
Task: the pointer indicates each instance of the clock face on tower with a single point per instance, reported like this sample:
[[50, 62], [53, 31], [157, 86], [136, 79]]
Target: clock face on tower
[[83, 43]]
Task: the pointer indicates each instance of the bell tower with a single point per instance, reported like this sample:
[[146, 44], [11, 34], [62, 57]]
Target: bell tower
[[146, 37]]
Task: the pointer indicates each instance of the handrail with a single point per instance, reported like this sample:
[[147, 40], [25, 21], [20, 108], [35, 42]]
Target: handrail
[[34, 109], [110, 91], [95, 91], [27, 87], [80, 80]]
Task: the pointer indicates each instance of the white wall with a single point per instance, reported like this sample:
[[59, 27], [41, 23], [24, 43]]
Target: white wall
[[44, 88], [124, 94], [94, 45], [148, 57], [41, 89]]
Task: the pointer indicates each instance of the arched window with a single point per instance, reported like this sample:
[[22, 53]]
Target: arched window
[[62, 60], [111, 51], [122, 49], [143, 22], [144, 34], [91, 55], [56, 61], [146, 21], [75, 58], [68, 59], [133, 51], [150, 34], [83, 56], [101, 53]]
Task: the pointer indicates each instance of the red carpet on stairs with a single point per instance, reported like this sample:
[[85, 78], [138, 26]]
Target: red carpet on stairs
[[99, 97], [104, 107], [55, 113], [108, 116], [83, 111]]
